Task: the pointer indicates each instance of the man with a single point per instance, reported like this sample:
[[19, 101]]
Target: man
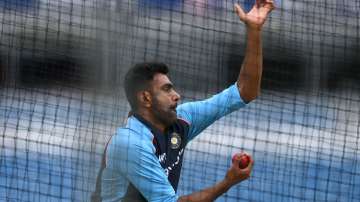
[[144, 158]]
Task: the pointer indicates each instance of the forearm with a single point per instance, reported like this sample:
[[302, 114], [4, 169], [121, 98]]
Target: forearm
[[208, 194], [249, 79]]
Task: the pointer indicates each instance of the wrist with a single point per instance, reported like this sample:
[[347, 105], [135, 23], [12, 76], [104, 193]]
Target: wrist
[[228, 183], [253, 30]]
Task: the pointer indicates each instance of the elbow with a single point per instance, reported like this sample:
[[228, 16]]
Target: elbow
[[249, 89], [248, 95]]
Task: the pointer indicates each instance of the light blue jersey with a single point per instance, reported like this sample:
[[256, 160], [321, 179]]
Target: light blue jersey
[[137, 166]]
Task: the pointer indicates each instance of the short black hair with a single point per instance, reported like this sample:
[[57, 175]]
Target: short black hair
[[138, 78]]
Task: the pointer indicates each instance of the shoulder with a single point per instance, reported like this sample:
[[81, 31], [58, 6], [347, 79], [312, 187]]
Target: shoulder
[[134, 130], [127, 147], [130, 136], [134, 137]]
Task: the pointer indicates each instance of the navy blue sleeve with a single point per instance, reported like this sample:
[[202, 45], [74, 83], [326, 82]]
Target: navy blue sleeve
[[201, 114], [133, 155]]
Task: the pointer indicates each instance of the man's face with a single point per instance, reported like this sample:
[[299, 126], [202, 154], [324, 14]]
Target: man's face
[[164, 99]]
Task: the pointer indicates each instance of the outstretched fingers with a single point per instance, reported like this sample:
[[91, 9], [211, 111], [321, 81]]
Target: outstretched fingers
[[240, 12], [258, 3], [270, 4]]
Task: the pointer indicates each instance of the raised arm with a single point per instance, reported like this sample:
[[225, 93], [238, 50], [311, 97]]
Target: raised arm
[[249, 79], [248, 83], [201, 114]]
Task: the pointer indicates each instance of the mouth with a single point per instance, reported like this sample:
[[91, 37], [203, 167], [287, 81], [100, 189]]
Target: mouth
[[173, 108]]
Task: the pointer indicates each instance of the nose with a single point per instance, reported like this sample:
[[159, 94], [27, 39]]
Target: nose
[[176, 96]]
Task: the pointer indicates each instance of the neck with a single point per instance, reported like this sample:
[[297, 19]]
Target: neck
[[151, 119]]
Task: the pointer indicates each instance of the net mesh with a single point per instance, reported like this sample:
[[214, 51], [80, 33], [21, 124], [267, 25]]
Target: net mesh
[[62, 65]]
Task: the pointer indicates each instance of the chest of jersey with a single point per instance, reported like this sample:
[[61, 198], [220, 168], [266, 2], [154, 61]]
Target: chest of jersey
[[170, 150]]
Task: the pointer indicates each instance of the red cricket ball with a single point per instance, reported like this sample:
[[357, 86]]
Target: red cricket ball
[[243, 159]]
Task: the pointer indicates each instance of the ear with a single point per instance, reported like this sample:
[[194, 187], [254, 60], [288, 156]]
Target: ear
[[144, 98]]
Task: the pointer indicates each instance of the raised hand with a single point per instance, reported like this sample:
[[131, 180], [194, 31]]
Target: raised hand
[[256, 17]]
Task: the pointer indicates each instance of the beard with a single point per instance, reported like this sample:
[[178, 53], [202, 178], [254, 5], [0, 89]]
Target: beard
[[165, 114]]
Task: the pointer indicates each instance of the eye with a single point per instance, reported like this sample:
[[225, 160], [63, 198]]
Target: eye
[[168, 88]]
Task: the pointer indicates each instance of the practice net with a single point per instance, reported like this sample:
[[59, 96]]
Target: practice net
[[62, 65]]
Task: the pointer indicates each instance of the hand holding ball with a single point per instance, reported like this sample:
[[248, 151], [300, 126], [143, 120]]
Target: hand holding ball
[[242, 165], [243, 158]]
